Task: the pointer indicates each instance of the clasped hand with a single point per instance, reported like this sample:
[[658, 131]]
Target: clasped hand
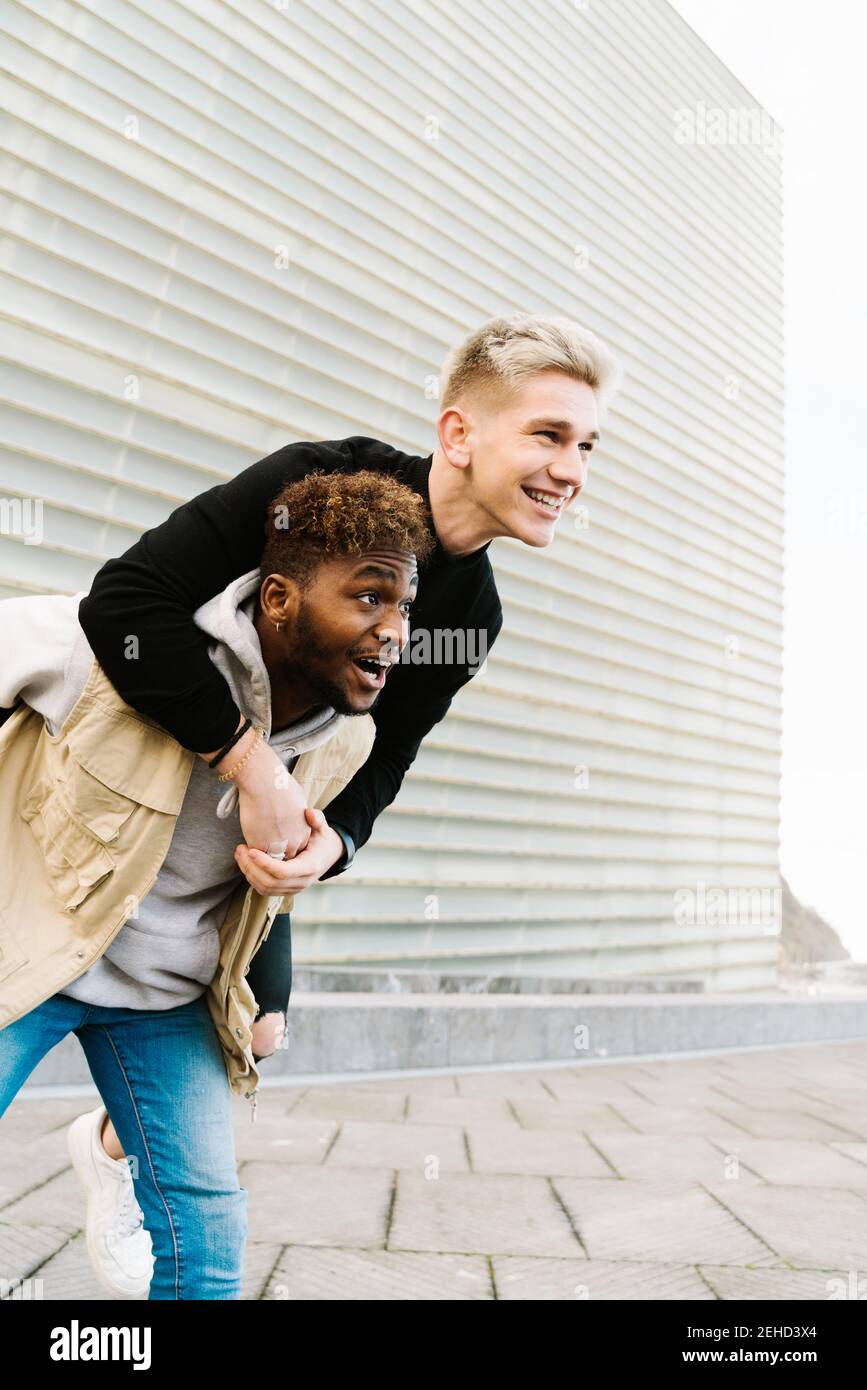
[[275, 815]]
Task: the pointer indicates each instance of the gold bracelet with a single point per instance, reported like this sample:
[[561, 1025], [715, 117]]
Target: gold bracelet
[[236, 767]]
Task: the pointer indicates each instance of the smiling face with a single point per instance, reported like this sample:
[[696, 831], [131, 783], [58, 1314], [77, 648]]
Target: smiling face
[[530, 455], [339, 637]]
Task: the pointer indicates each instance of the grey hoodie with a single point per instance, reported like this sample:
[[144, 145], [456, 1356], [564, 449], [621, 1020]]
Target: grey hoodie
[[167, 952]]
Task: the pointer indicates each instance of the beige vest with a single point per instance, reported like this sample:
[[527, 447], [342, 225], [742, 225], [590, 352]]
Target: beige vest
[[86, 819]]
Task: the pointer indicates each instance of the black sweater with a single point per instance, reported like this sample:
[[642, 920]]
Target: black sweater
[[153, 589]]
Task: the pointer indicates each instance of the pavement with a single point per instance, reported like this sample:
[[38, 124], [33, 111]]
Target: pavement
[[736, 1175]]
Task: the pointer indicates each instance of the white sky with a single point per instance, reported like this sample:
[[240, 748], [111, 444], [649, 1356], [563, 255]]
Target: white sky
[[806, 65]]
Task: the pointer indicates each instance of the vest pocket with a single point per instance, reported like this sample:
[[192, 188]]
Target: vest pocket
[[75, 861], [101, 809], [118, 762]]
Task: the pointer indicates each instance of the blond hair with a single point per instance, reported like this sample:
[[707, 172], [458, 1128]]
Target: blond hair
[[499, 357]]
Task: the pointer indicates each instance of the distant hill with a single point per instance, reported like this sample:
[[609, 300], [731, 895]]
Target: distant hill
[[807, 937]]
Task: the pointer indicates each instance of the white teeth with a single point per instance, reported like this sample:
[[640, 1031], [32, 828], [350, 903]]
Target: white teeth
[[554, 503]]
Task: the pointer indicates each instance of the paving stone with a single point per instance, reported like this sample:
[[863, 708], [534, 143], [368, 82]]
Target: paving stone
[[285, 1140], [60, 1202], [831, 1095], [594, 1072], [757, 1071], [460, 1110], [437, 1085], [260, 1259], [683, 1095], [758, 1066], [327, 1102], [29, 1119], [794, 1161], [800, 1066], [24, 1248], [694, 1069], [340, 1200], [776, 1097], [611, 1074], [305, 1205], [276, 1103], [844, 1113], [809, 1227], [404, 1085], [480, 1214], [664, 1223], [857, 1151], [68, 1275], [660, 1070], [781, 1124], [582, 1280], [850, 1124], [411, 1147], [667, 1157], [573, 1118], [509, 1149], [591, 1088], [768, 1285], [643, 1117], [505, 1084], [27, 1162], [395, 1276]]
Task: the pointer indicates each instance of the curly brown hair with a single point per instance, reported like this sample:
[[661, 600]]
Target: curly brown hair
[[328, 514]]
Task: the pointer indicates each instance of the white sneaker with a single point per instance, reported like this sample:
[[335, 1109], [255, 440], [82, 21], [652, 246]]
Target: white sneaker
[[118, 1245]]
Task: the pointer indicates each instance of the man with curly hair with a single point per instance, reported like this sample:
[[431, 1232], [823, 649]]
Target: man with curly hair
[[302, 648]]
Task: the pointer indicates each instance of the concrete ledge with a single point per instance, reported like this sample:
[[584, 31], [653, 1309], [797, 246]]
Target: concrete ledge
[[371, 1032], [361, 979]]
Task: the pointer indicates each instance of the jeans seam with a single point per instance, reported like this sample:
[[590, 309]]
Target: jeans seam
[[104, 1029]]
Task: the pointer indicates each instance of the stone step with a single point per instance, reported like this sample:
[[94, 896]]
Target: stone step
[[366, 1032]]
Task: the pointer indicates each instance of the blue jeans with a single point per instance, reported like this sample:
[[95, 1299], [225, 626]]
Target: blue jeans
[[163, 1080]]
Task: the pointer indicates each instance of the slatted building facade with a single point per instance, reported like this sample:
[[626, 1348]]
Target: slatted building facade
[[230, 223]]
